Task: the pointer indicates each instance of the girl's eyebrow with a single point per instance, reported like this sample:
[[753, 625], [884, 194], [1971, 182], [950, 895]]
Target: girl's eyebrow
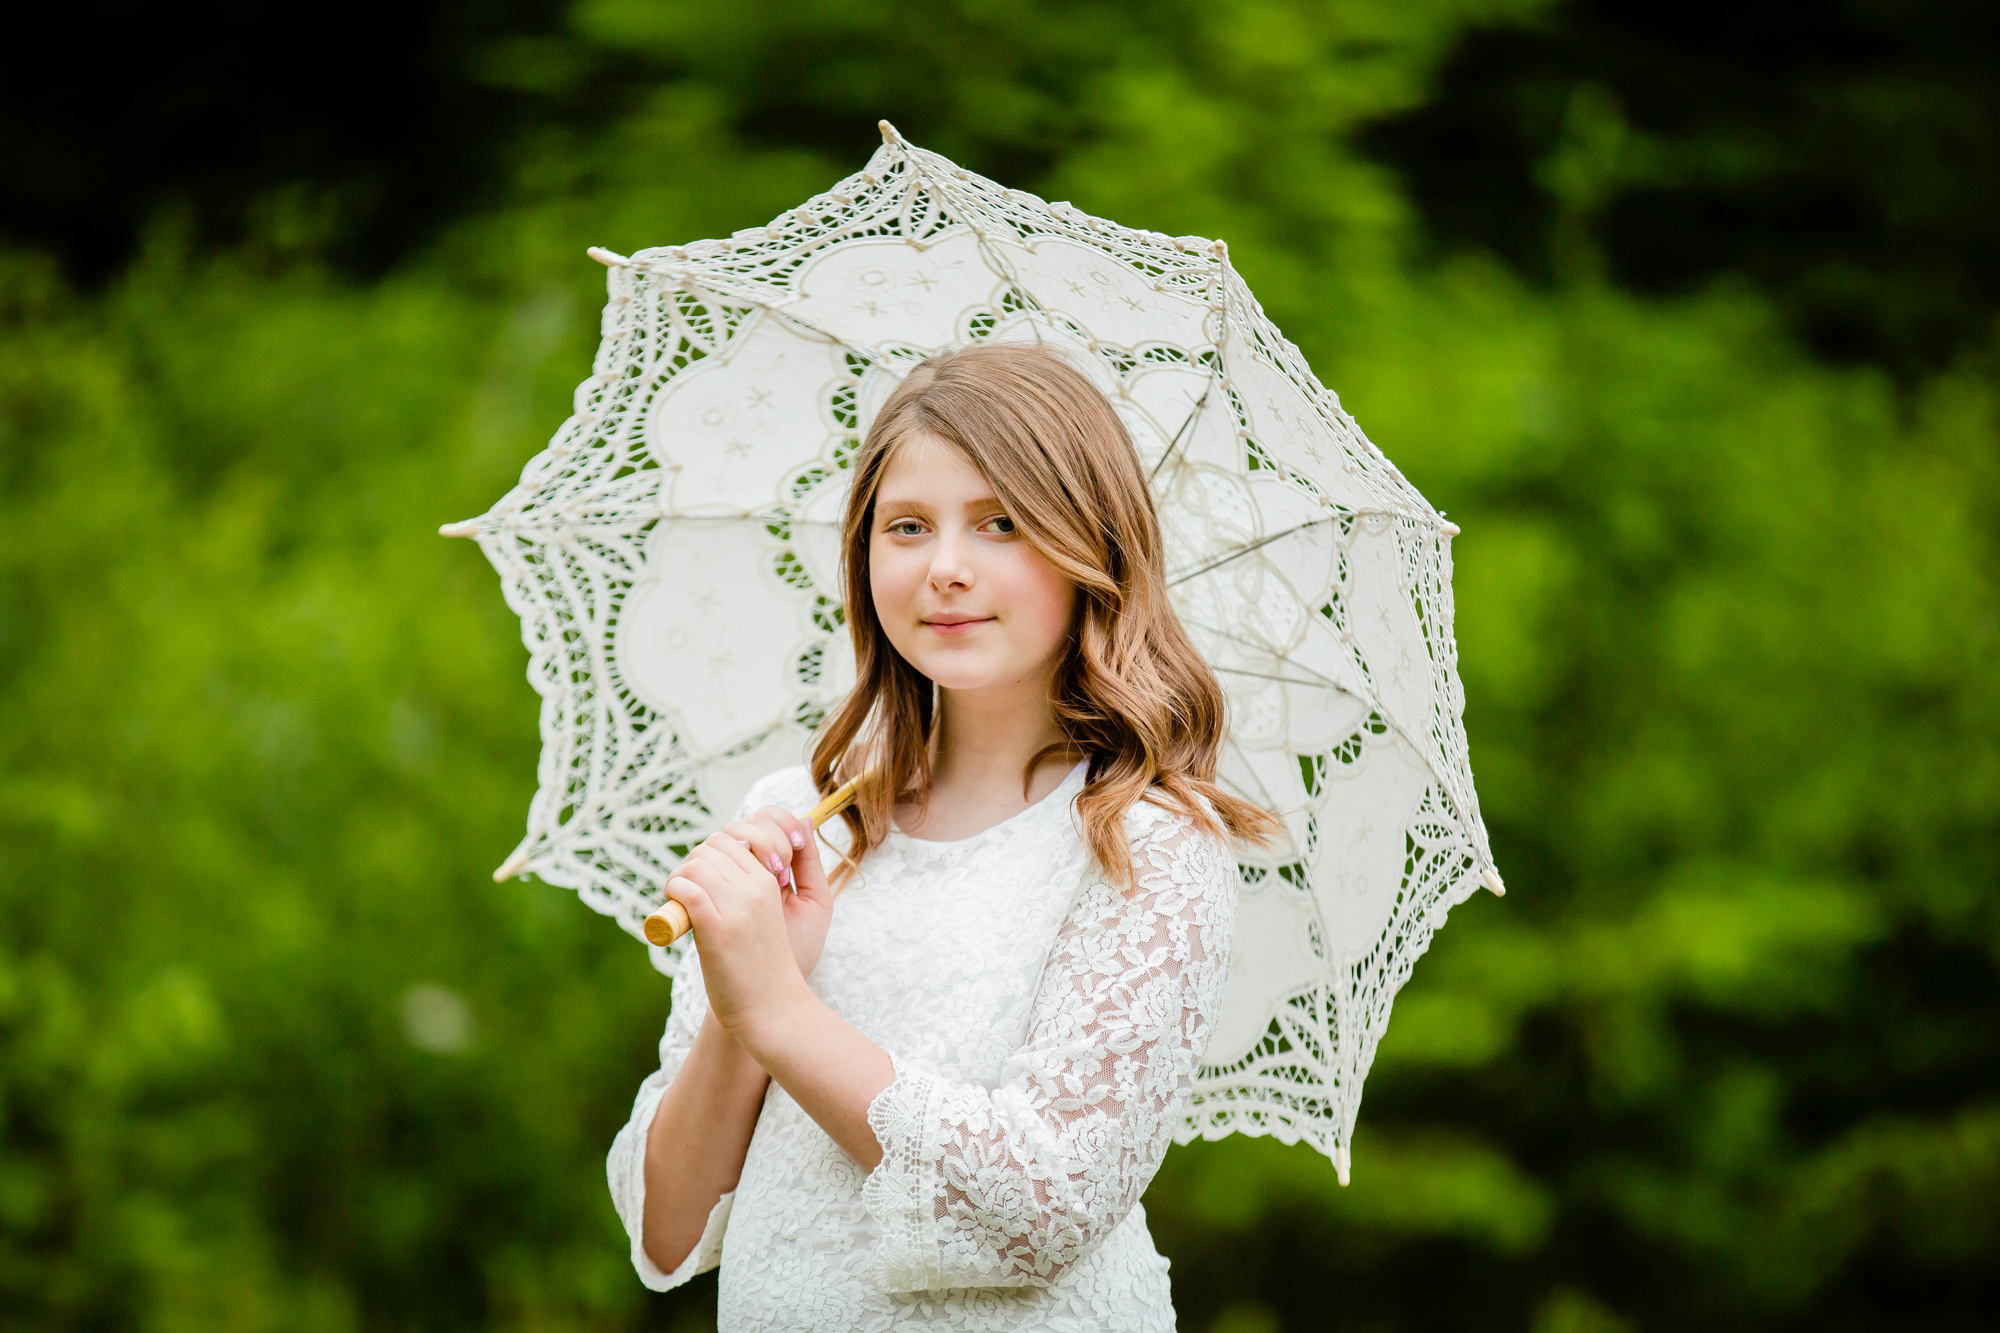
[[917, 505]]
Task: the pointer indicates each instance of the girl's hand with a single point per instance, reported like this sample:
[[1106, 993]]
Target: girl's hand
[[785, 843], [741, 924]]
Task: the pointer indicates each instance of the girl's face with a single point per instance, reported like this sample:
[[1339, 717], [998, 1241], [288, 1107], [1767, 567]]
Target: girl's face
[[963, 596]]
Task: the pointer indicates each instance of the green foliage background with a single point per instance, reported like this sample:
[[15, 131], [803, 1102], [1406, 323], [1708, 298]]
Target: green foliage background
[[276, 1054]]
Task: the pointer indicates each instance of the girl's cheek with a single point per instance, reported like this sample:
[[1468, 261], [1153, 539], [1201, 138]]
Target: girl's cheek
[[1038, 590], [887, 578]]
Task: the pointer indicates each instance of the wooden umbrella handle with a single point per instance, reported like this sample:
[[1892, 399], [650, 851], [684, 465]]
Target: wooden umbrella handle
[[668, 924], [671, 921]]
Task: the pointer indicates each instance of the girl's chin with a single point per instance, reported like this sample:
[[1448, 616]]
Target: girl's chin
[[962, 677]]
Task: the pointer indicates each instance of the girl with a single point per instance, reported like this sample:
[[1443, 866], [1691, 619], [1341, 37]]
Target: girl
[[980, 1060]]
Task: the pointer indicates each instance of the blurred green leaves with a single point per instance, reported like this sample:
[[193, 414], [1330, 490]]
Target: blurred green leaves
[[1425, 1184], [276, 1053]]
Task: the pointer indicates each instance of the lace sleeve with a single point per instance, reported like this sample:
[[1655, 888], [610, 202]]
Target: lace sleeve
[[1009, 1186], [626, 1167]]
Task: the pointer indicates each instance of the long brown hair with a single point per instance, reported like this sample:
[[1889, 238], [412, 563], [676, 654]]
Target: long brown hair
[[1131, 694]]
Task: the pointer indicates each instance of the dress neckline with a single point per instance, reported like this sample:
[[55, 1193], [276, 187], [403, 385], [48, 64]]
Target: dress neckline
[[1057, 799]]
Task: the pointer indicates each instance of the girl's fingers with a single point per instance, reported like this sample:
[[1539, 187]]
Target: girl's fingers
[[793, 828], [786, 831], [767, 825], [736, 851], [716, 873], [712, 855], [706, 872], [768, 846], [684, 890], [808, 870], [733, 884]]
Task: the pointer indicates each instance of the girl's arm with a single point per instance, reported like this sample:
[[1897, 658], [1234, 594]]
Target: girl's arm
[[1015, 1184], [831, 1070], [760, 997], [674, 1167], [697, 1141], [1009, 1186]]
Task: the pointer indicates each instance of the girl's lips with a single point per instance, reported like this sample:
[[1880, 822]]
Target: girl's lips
[[953, 627]]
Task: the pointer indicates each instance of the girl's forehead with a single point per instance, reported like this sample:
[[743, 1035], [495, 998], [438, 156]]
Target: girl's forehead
[[925, 468]]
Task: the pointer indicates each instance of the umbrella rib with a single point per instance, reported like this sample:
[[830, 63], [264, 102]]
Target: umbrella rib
[[1319, 678], [1186, 426], [1245, 550], [1282, 680], [853, 349]]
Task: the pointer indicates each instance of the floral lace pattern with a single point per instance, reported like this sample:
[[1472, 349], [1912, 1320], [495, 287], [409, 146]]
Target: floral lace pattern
[[1046, 1028]]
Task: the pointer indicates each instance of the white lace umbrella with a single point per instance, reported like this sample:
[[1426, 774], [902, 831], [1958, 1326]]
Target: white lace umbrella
[[672, 555]]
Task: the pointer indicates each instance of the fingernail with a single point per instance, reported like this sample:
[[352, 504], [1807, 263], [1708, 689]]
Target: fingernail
[[784, 879], [798, 839], [777, 866]]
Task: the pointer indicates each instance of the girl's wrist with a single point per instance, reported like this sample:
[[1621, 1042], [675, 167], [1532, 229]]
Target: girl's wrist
[[762, 1028], [730, 1052]]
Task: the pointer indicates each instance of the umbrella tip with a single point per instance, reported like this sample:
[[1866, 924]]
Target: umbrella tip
[[512, 866], [889, 135], [1491, 879], [608, 258], [1341, 1162], [469, 528]]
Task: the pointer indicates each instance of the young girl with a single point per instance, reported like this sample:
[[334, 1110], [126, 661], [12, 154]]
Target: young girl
[[939, 1105]]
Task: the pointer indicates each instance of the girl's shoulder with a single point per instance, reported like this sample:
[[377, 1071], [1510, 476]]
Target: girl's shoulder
[[1155, 827], [1177, 866], [1154, 815], [789, 788]]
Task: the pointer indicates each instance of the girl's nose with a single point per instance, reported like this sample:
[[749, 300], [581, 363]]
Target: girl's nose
[[949, 568]]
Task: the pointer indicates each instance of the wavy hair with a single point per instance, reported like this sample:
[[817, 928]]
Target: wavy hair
[[1131, 694]]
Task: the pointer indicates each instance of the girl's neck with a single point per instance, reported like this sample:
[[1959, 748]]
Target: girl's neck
[[983, 743]]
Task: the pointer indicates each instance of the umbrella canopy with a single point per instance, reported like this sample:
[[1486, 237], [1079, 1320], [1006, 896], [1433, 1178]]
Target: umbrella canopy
[[673, 556]]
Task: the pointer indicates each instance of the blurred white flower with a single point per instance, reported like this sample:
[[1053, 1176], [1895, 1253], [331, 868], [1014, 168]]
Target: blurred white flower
[[436, 1019]]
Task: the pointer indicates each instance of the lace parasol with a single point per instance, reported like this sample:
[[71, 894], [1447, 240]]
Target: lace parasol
[[672, 555]]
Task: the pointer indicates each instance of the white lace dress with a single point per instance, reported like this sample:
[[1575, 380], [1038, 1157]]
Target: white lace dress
[[1045, 1028]]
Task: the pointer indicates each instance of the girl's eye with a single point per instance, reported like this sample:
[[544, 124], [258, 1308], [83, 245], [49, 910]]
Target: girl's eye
[[1002, 524], [906, 527]]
